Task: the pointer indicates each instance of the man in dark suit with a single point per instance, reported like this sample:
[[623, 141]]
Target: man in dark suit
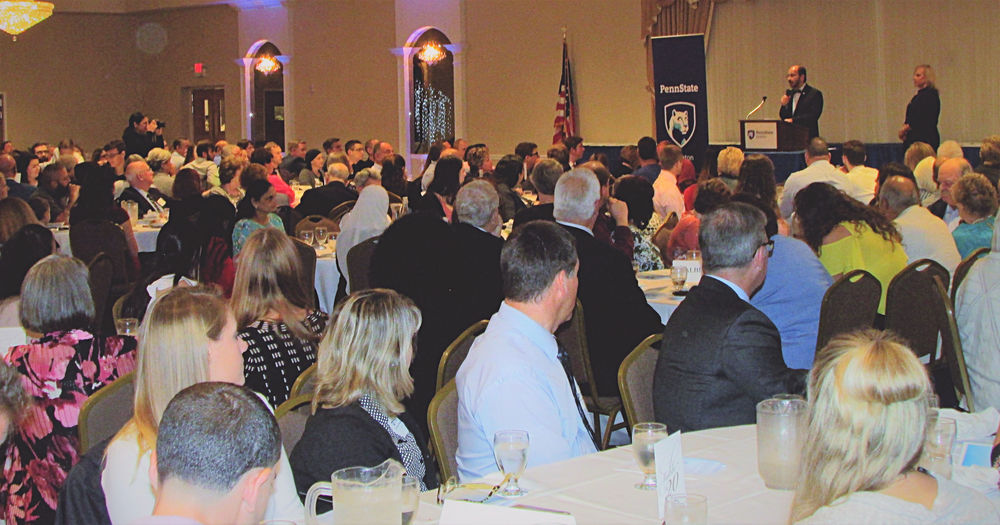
[[720, 356], [802, 104], [617, 315], [141, 191], [544, 176], [319, 201], [477, 233]]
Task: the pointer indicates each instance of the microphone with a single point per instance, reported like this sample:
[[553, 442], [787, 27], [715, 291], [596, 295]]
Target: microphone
[[754, 110]]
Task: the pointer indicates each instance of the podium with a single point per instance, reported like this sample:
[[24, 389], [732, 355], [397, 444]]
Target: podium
[[772, 135]]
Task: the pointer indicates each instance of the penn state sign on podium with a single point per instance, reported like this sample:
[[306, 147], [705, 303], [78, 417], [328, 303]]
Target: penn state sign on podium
[[681, 97]]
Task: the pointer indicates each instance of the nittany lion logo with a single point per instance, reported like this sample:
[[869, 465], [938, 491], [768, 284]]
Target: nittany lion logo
[[679, 117]]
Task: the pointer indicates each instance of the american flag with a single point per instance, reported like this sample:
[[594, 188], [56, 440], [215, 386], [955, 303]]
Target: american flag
[[565, 122]]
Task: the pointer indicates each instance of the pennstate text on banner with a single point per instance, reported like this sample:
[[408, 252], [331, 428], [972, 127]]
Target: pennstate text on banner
[[681, 96]]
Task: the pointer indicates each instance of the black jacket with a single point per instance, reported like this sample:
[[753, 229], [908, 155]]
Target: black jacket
[[807, 111], [319, 201]]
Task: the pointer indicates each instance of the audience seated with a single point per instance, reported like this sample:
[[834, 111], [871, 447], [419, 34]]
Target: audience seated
[[516, 376], [175, 263], [312, 174], [141, 191], [862, 177], [976, 307], [477, 232], [29, 245], [649, 162], [14, 402], [919, 158], [358, 418], [394, 174], [792, 293], [544, 176], [757, 179], [976, 200], [611, 226], [54, 186], [948, 173], [319, 201], [711, 194], [989, 159], [924, 236], [189, 336], [505, 177], [637, 193], [217, 451], [720, 356], [667, 198], [440, 196], [728, 163], [367, 219], [158, 160], [255, 211], [617, 314], [867, 424], [60, 369], [203, 164], [274, 314], [229, 180], [14, 215], [847, 235], [818, 169]]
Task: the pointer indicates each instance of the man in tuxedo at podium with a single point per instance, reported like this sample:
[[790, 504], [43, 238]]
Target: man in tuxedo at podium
[[802, 104]]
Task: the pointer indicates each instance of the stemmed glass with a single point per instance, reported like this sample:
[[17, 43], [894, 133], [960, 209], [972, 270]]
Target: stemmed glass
[[306, 236], [322, 235], [679, 275], [644, 438], [510, 449]]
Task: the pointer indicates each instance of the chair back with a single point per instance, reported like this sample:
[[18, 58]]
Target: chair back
[[116, 309], [963, 269], [394, 199], [572, 337], [907, 306], [292, 416], [359, 264], [307, 256], [442, 419], [849, 304], [456, 352], [101, 274], [340, 210], [290, 217], [312, 221], [106, 411], [89, 238], [305, 384], [635, 380], [951, 345]]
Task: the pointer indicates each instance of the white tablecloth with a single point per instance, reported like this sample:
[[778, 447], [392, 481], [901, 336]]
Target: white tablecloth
[[145, 238], [327, 276], [600, 488], [658, 288]]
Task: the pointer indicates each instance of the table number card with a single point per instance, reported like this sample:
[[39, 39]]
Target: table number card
[[693, 268], [669, 468]]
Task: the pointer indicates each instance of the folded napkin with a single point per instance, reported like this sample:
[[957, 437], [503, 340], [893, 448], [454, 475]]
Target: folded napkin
[[978, 426]]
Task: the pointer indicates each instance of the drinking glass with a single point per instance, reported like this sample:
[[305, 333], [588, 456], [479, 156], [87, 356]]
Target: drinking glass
[[321, 234], [781, 427], [510, 449], [127, 326], [679, 275], [937, 447], [411, 498], [689, 509], [644, 437], [306, 236]]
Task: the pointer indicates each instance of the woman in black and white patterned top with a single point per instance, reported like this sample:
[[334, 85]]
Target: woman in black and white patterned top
[[272, 311], [363, 375]]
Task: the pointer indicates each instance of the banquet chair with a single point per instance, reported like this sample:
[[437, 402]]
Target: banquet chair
[[116, 309], [292, 416], [454, 355], [572, 336], [290, 217], [305, 383], [307, 255], [101, 274], [963, 269], [91, 237], [442, 419], [312, 221], [635, 380], [340, 210], [358, 263], [394, 199], [849, 304], [951, 345], [106, 411], [907, 311]]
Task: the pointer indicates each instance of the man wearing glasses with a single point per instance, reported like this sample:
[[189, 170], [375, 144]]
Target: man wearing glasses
[[720, 356]]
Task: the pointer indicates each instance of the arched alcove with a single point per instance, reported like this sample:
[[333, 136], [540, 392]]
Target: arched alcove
[[264, 81], [432, 90]]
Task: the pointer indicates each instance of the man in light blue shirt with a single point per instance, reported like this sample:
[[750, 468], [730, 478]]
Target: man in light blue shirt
[[512, 378]]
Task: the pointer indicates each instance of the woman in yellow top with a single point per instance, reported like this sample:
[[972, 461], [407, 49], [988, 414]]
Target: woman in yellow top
[[847, 235]]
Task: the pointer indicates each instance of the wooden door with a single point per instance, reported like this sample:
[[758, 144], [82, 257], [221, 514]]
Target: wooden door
[[274, 116], [208, 114]]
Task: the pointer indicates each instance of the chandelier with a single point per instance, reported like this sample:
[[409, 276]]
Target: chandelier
[[16, 16], [267, 65], [431, 53]]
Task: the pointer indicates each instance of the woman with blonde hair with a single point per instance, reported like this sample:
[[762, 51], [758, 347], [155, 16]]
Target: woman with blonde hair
[[14, 213], [923, 110], [919, 157], [187, 337], [363, 375], [275, 315], [868, 405]]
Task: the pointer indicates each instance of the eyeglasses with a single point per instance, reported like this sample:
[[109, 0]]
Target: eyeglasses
[[770, 247], [452, 484]]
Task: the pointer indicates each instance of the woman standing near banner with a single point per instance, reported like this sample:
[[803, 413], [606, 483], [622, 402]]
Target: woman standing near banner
[[923, 110]]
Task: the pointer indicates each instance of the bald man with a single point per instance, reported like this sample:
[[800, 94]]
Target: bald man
[[948, 174], [141, 191], [924, 235]]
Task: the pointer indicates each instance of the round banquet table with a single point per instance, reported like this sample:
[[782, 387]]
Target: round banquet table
[[327, 276], [599, 488], [658, 287], [145, 238]]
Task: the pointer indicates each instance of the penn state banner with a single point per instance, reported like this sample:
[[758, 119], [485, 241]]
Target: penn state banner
[[681, 98]]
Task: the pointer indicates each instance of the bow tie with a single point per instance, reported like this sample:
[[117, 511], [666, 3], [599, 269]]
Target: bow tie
[[794, 91]]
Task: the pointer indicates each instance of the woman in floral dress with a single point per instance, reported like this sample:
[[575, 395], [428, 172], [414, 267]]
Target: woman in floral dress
[[637, 193], [59, 370]]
